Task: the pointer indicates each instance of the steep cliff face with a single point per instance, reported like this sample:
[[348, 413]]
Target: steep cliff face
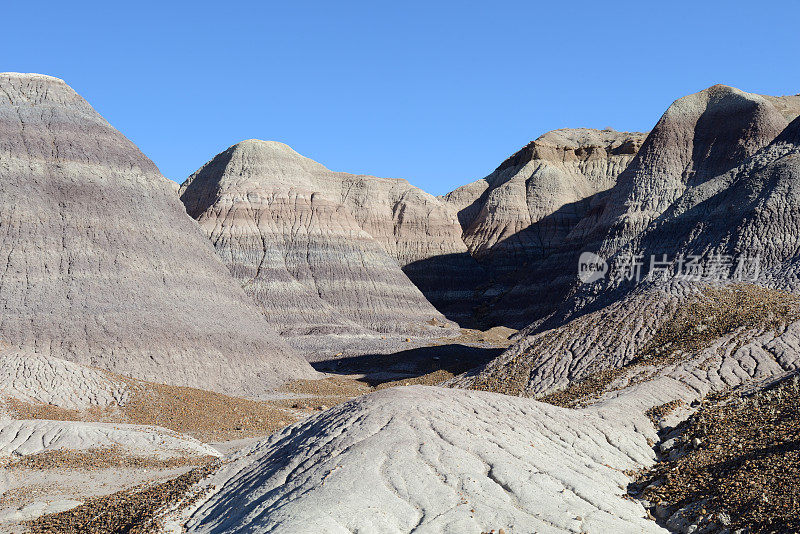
[[102, 265], [295, 236]]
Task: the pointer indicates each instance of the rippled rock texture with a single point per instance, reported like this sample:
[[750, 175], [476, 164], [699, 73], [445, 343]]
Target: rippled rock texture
[[414, 459]]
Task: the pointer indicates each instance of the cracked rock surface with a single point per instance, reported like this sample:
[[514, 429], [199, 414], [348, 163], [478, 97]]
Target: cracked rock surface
[[429, 459], [32, 436], [52, 381]]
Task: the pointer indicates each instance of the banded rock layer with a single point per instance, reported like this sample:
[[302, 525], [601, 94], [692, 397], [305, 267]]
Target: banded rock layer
[[727, 189], [740, 205], [102, 265], [519, 221], [530, 202], [699, 138], [321, 252]]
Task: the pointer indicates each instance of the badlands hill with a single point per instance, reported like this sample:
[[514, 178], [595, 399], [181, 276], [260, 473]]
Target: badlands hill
[[324, 252], [726, 191], [699, 137], [573, 190], [518, 221], [524, 208], [588, 190], [721, 169], [102, 265], [662, 404]]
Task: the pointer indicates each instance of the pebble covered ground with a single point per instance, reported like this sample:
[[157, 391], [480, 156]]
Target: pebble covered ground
[[134, 511], [205, 415], [100, 458], [213, 417], [428, 365], [734, 464]]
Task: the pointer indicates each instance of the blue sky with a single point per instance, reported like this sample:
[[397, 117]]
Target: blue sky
[[435, 92]]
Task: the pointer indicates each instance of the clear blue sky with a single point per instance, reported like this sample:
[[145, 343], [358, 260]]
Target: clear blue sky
[[435, 92]]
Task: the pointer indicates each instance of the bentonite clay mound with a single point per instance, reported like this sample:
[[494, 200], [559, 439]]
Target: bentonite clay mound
[[45, 380], [104, 268], [700, 136], [741, 224], [418, 458], [530, 202], [620, 189], [321, 252]]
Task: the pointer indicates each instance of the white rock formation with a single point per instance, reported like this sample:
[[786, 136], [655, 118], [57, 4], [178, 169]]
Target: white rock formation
[[43, 379], [423, 459], [24, 437]]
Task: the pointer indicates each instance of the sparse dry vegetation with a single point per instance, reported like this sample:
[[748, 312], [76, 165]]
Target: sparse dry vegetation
[[691, 327], [101, 458], [736, 463], [205, 415], [134, 511]]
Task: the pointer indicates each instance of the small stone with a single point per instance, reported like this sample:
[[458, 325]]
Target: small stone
[[667, 445], [662, 511], [696, 442]]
